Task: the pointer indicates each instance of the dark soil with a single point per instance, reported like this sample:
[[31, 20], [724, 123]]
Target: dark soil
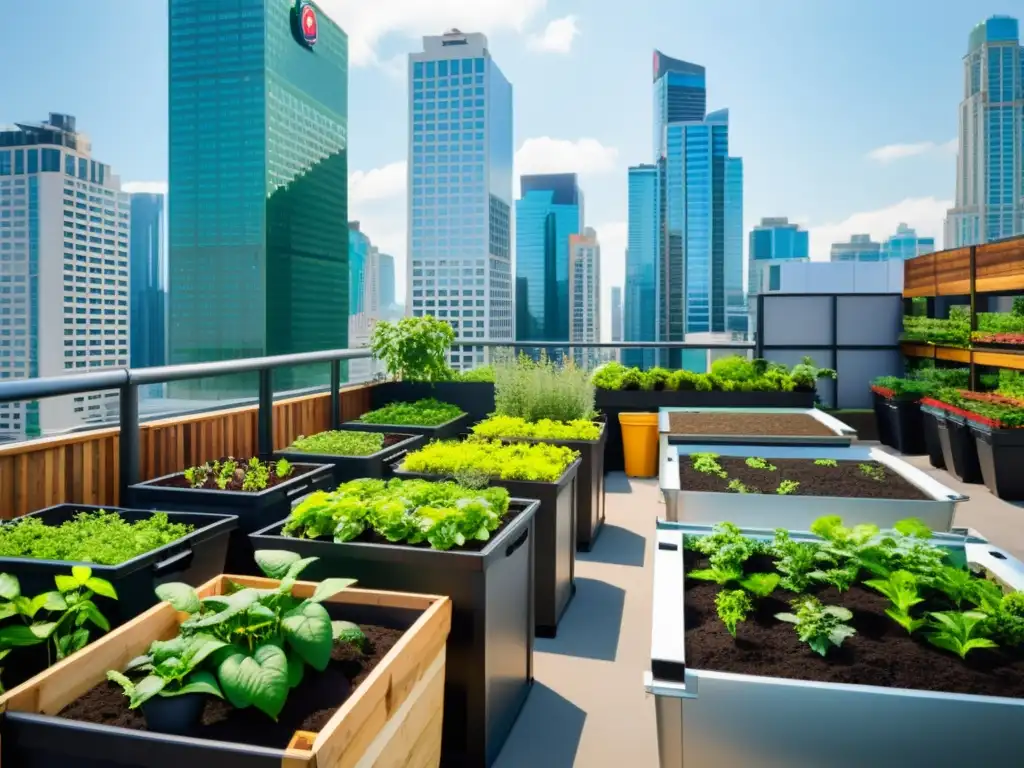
[[179, 481], [731, 423], [881, 653], [310, 705], [847, 480]]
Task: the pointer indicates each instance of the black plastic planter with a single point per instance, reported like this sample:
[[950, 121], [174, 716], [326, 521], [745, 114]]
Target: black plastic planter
[[554, 573], [489, 668], [883, 419], [254, 510], [906, 425], [958, 449], [174, 714], [474, 397], [1001, 457], [448, 430], [376, 465], [930, 418]]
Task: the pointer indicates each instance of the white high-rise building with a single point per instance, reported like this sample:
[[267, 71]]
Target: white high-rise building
[[64, 293], [460, 191], [585, 294], [989, 201]]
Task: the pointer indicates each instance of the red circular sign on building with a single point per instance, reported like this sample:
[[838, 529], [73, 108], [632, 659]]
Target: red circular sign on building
[[307, 24]]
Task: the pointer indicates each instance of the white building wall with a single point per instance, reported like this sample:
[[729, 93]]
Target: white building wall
[[835, 277]]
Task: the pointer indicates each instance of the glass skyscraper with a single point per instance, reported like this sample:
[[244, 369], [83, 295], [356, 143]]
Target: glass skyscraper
[[773, 240], [989, 201], [548, 213], [460, 190], [642, 261], [258, 186], [905, 244], [148, 311], [387, 281], [860, 248]]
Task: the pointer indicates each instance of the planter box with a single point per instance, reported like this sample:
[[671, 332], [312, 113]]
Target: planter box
[[376, 465], [613, 402], [392, 718], [756, 510], [959, 450], [882, 418], [254, 510], [841, 434], [448, 430], [474, 397], [907, 428], [490, 648], [930, 418], [732, 719], [554, 573], [1001, 458]]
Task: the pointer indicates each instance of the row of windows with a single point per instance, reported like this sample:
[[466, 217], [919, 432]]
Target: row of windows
[[445, 67]]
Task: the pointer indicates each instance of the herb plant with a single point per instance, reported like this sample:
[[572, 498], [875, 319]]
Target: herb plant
[[737, 486], [707, 463], [760, 584], [414, 348], [230, 474], [540, 462], [755, 463], [1005, 621], [718, 574], [787, 487], [725, 547], [541, 389], [795, 560], [733, 606], [340, 442], [422, 413], [873, 471], [822, 627], [826, 462], [901, 589], [958, 632], [514, 426]]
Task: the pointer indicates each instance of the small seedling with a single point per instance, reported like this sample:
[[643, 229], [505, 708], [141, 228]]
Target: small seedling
[[826, 462], [787, 487], [737, 486], [733, 606], [820, 626], [901, 589], [795, 560], [873, 471], [755, 463], [707, 463], [958, 632]]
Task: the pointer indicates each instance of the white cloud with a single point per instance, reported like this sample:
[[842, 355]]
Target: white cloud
[[925, 214], [148, 187], [377, 184], [547, 155], [557, 36], [612, 237], [892, 152], [368, 23]]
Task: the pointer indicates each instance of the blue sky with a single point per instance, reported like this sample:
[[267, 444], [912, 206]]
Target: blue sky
[[816, 89]]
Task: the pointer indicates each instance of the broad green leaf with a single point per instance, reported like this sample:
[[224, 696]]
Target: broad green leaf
[[18, 635], [81, 574], [198, 682], [179, 595], [225, 606], [330, 587], [43, 629], [66, 583], [298, 567], [296, 669], [9, 586], [308, 631], [138, 663], [201, 647], [145, 689], [6, 611], [37, 602], [69, 644], [101, 587], [93, 614], [260, 680], [55, 602], [275, 562]]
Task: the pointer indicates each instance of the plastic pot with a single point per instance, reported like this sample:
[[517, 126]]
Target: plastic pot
[[640, 443], [930, 418], [174, 714]]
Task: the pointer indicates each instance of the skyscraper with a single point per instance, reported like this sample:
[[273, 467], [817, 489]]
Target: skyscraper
[[585, 294], [387, 280], [774, 240], [258, 186], [548, 213], [989, 201], [460, 190], [616, 313], [364, 307], [148, 283], [905, 244], [860, 248], [64, 233], [642, 262]]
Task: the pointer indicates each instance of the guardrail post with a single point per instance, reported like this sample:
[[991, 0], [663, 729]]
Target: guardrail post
[[335, 394], [265, 414], [128, 440]]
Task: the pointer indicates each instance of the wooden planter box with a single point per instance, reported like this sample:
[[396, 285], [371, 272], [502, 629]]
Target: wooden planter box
[[393, 718]]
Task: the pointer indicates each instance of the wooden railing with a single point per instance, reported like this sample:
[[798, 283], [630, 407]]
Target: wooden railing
[[83, 468]]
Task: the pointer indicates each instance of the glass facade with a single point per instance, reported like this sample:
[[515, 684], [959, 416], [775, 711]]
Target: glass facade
[[860, 248], [358, 249], [148, 285], [642, 238], [774, 240], [258, 187], [387, 280], [905, 244]]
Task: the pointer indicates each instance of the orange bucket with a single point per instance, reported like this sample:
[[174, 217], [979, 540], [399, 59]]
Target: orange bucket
[[640, 443]]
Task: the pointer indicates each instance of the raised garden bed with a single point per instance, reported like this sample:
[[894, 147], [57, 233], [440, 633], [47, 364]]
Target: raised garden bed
[[476, 398], [382, 706], [490, 648], [753, 426], [363, 454], [735, 697], [255, 509], [431, 419]]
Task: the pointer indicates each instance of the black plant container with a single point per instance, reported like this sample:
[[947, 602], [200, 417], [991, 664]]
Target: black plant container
[[474, 397], [959, 449], [173, 714], [554, 574], [930, 418], [1001, 456], [376, 465], [883, 420], [489, 668], [907, 428], [448, 430], [254, 510]]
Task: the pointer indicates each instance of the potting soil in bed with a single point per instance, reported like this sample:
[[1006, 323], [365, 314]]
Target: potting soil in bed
[[733, 423], [179, 480], [310, 705], [881, 653], [848, 479]]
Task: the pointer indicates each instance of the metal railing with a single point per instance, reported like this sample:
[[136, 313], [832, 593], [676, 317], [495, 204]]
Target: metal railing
[[128, 380]]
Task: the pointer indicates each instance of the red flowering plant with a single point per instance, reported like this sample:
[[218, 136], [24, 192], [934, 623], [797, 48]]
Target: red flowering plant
[[987, 337], [994, 411]]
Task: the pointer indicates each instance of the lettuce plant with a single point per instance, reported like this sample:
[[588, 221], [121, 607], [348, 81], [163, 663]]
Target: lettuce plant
[[422, 413], [733, 605], [756, 463], [544, 429], [958, 632], [707, 464], [725, 547], [820, 626], [1005, 621], [760, 584], [515, 461], [787, 487], [795, 560]]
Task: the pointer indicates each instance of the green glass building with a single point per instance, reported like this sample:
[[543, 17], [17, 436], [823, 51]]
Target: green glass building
[[258, 187]]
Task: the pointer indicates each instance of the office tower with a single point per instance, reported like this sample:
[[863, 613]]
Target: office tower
[[387, 282], [860, 248], [905, 244], [616, 319], [643, 238], [773, 241], [148, 311], [548, 213], [64, 236], [460, 191], [258, 187], [364, 306], [989, 201], [585, 295]]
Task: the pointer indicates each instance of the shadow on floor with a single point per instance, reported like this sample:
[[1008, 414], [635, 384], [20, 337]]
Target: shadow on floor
[[616, 546], [547, 733], [617, 482], [590, 627]]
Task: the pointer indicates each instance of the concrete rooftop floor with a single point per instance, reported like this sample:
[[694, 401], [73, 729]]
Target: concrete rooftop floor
[[588, 708]]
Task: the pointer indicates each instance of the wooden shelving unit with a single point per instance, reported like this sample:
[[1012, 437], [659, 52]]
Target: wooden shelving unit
[[991, 358]]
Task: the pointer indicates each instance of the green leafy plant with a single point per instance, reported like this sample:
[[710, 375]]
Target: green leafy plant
[[760, 584], [957, 584], [737, 486], [826, 462], [226, 473], [171, 668], [959, 632], [514, 461], [717, 574], [1005, 620], [873, 471], [786, 487], [756, 463], [541, 389], [414, 348], [545, 429], [257, 476], [707, 464], [484, 373], [902, 590], [733, 606], [725, 547], [340, 442], [822, 627], [795, 560], [103, 538], [230, 474], [841, 577], [422, 413]]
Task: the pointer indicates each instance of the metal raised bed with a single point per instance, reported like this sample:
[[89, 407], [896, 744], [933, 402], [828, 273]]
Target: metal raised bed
[[841, 433], [764, 510], [732, 720]]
